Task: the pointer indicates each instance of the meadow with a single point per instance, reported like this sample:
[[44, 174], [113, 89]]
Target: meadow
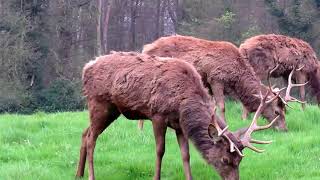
[[46, 146]]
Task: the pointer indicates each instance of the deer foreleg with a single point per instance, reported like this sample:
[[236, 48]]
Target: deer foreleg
[[184, 148], [218, 94], [159, 129], [83, 154]]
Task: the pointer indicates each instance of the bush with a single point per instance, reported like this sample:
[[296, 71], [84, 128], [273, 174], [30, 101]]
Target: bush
[[62, 95], [13, 98]]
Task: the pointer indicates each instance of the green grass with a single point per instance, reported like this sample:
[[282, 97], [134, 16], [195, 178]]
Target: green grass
[[46, 146]]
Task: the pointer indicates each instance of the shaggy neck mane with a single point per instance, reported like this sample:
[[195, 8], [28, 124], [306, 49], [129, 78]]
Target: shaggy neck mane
[[195, 119], [246, 93], [246, 87]]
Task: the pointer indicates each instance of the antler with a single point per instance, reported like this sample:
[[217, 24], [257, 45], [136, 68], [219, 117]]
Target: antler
[[276, 90], [221, 132], [246, 139], [245, 134], [268, 78], [288, 97]]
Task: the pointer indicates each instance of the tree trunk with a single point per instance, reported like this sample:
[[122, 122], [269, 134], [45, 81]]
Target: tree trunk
[[172, 15], [99, 32], [133, 8], [105, 27], [157, 35]]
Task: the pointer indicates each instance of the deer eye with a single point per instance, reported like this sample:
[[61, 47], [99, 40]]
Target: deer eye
[[225, 160]]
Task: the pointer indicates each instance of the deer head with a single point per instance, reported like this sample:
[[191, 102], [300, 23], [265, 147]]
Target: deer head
[[226, 154]]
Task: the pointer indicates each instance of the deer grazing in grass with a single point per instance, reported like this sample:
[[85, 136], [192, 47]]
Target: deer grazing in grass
[[223, 71], [170, 93], [265, 52]]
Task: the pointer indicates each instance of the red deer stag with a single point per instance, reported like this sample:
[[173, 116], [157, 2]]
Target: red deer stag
[[223, 70], [264, 52], [171, 94]]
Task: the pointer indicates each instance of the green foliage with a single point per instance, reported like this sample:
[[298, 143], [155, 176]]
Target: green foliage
[[38, 41], [296, 20], [17, 101], [227, 20], [62, 95], [13, 96], [43, 146], [252, 31]]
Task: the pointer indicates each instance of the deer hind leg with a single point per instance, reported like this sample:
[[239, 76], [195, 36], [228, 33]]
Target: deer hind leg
[[83, 154], [184, 148], [217, 90], [301, 78], [140, 124], [245, 113], [159, 130], [101, 116]]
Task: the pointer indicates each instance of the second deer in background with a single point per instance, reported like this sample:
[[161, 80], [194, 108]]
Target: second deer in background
[[223, 71]]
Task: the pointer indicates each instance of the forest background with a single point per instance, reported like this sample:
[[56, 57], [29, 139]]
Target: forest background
[[44, 44]]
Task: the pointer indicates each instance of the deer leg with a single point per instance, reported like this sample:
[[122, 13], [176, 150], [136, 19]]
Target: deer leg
[[140, 124], [83, 154], [301, 78], [159, 130], [184, 148], [101, 116], [217, 90], [245, 113]]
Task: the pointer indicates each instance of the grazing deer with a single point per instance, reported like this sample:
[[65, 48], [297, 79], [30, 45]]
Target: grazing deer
[[170, 93], [264, 52], [223, 71]]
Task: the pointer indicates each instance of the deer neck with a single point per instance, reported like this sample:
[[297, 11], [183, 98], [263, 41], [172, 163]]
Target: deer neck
[[245, 91], [195, 120]]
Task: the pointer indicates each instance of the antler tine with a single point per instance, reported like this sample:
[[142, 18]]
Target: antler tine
[[288, 97], [269, 75], [300, 68], [260, 142], [276, 96], [268, 125], [233, 147], [250, 146], [246, 138], [221, 132]]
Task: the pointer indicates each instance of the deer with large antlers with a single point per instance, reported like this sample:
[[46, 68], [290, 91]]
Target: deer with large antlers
[[223, 71], [170, 93], [264, 52]]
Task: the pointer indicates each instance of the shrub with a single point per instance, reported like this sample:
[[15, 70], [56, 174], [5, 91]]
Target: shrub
[[62, 95]]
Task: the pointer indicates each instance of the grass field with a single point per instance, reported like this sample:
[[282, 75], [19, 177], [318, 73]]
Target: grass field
[[46, 146]]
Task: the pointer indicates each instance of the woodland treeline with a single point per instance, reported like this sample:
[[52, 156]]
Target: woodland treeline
[[44, 44]]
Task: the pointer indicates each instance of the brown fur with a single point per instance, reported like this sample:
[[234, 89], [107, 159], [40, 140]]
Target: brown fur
[[222, 68], [167, 91], [263, 52]]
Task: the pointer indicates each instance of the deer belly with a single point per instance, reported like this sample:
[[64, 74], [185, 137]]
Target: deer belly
[[133, 115]]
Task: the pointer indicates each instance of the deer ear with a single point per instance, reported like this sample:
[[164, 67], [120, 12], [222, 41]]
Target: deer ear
[[213, 134]]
